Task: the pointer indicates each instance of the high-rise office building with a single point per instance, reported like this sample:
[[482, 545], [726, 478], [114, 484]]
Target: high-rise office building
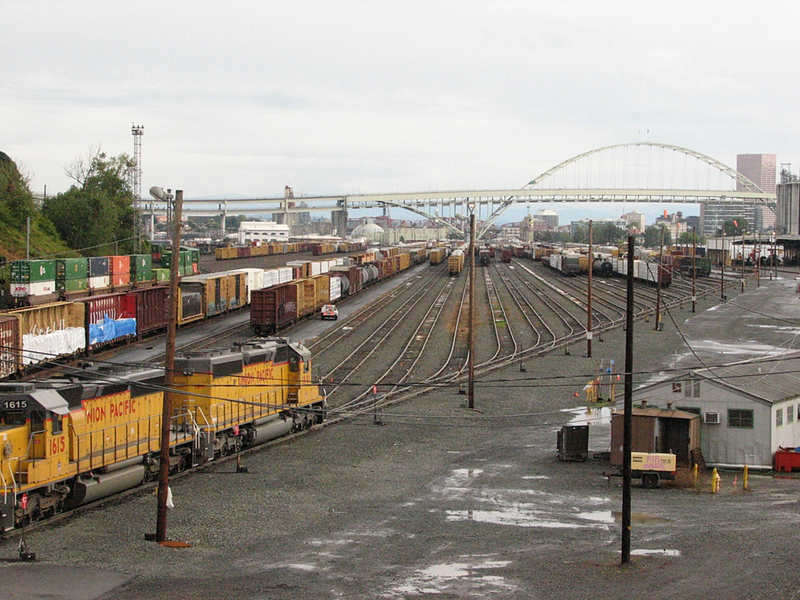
[[761, 169]]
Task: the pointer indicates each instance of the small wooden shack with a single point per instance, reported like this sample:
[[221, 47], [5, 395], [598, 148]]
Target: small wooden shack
[[657, 430]]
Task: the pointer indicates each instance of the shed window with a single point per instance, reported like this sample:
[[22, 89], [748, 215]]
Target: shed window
[[790, 414], [677, 386], [740, 418], [692, 389], [779, 417], [691, 409]]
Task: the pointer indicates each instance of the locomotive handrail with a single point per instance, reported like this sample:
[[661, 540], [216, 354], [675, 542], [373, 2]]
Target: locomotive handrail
[[13, 482]]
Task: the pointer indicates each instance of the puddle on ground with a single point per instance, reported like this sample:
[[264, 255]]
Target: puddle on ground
[[535, 477], [465, 579], [514, 516], [590, 416], [662, 552], [615, 516]]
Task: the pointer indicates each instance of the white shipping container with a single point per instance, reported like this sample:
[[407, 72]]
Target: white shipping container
[[316, 268], [96, 283], [36, 288]]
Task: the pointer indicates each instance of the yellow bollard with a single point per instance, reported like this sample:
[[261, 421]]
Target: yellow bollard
[[715, 481], [694, 473], [745, 483]]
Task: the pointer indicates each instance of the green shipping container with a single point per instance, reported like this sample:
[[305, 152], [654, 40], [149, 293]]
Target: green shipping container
[[29, 271], [142, 275], [73, 285], [161, 274], [72, 268], [141, 262]]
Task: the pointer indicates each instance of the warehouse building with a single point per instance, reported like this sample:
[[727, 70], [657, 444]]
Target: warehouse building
[[747, 410], [262, 231]]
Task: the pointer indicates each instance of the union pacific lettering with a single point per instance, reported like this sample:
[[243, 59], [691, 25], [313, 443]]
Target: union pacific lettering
[[109, 408]]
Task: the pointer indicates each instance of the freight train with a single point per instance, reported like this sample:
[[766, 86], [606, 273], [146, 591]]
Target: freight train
[[643, 270], [34, 334], [276, 307], [578, 264], [272, 248], [67, 442]]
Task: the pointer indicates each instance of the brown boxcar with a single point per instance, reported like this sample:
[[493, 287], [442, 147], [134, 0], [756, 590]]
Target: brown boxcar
[[151, 308], [10, 356], [275, 307]]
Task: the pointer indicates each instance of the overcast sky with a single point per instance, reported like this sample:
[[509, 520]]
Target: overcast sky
[[356, 97]]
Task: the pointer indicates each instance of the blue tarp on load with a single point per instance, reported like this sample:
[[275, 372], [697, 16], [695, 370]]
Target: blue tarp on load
[[109, 330]]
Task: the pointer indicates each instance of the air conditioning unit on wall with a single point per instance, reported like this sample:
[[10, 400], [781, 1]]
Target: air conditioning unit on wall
[[711, 418]]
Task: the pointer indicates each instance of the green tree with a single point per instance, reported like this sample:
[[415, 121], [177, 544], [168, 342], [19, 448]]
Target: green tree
[[687, 238], [97, 215], [652, 236], [608, 233], [734, 227], [16, 199]]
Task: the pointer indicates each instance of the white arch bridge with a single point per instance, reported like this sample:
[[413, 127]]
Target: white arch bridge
[[639, 172]]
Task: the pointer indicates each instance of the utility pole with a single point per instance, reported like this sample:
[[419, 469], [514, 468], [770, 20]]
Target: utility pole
[[471, 385], [694, 268], [658, 281], [627, 417], [169, 380], [722, 273], [758, 258], [589, 301], [743, 255]]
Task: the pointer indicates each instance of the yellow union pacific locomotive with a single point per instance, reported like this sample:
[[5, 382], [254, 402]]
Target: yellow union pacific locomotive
[[65, 442]]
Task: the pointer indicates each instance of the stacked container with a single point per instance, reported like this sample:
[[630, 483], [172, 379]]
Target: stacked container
[[141, 268], [72, 274], [99, 273], [33, 277], [119, 270]]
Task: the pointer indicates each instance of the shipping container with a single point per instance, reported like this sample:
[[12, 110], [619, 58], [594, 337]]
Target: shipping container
[[34, 288], [100, 282], [32, 271], [118, 265], [73, 285], [72, 268], [98, 266]]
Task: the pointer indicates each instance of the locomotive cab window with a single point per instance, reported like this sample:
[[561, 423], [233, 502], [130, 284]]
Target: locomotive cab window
[[56, 424], [37, 422], [294, 363]]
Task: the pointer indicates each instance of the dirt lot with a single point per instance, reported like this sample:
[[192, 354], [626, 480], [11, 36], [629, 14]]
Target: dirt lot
[[443, 503]]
